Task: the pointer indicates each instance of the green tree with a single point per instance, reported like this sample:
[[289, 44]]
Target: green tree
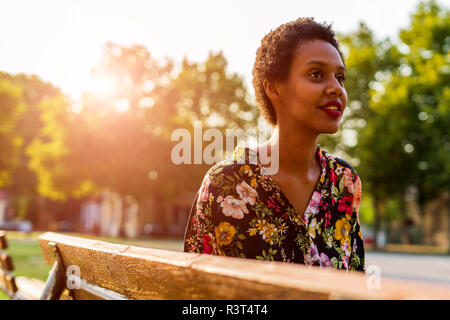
[[33, 90], [111, 143], [206, 91], [120, 140], [426, 65], [50, 154], [405, 141], [12, 107]]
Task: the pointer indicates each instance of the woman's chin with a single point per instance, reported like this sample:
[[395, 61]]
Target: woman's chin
[[330, 129]]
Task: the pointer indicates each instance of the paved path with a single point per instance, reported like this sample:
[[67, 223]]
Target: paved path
[[429, 268]]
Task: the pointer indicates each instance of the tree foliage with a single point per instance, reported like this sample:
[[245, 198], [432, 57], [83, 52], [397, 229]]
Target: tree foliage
[[10, 142], [406, 140], [120, 140], [29, 91]]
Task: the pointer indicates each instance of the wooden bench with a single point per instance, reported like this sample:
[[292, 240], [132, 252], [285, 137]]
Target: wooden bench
[[91, 269], [17, 288]]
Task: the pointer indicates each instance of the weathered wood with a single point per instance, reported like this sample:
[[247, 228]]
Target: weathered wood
[[3, 283], [3, 242], [29, 288], [55, 283], [11, 283], [6, 262], [95, 291], [144, 273]]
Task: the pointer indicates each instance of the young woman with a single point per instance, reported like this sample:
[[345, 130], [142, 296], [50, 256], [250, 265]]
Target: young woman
[[307, 212]]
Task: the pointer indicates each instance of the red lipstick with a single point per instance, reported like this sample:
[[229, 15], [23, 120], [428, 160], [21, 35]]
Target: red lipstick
[[332, 112]]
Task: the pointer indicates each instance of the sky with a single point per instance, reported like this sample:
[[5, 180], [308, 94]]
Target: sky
[[61, 41]]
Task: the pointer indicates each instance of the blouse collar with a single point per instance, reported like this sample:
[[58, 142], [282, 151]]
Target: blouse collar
[[243, 154]]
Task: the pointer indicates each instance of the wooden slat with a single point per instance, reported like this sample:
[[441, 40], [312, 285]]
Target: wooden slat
[[55, 283], [21, 288], [3, 281], [144, 273], [6, 262], [11, 283], [3, 242], [29, 288]]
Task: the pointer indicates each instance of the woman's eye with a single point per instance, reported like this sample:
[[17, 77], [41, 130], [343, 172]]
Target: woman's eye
[[341, 78], [316, 74]]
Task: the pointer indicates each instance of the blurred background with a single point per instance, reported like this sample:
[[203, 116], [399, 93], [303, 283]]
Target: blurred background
[[90, 93]]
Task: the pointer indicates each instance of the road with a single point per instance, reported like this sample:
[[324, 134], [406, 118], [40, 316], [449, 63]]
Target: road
[[429, 268]]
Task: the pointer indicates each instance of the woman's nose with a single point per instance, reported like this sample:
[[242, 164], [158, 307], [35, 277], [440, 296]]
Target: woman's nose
[[334, 87]]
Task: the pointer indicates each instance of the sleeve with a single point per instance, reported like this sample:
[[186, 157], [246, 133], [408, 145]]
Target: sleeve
[[191, 234], [212, 228], [200, 226], [357, 256]]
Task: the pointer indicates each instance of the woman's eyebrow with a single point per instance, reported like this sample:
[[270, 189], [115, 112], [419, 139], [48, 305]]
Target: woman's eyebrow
[[324, 64]]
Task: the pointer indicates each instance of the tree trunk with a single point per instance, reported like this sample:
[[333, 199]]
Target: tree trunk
[[405, 220], [376, 223], [388, 230], [122, 217]]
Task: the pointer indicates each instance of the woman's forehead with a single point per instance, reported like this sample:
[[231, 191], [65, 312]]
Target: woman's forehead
[[319, 52]]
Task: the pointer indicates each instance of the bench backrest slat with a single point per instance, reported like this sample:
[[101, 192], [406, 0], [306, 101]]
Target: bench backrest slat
[[7, 279], [145, 273], [8, 283], [6, 262], [3, 242]]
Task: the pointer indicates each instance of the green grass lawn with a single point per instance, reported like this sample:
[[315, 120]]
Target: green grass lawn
[[27, 255], [3, 296]]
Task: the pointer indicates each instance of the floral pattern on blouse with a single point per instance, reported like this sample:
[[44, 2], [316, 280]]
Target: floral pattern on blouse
[[240, 212]]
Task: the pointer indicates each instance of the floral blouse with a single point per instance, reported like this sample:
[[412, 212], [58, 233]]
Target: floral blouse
[[240, 212]]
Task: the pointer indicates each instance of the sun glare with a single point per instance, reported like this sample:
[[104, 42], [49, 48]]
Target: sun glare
[[101, 86], [122, 105]]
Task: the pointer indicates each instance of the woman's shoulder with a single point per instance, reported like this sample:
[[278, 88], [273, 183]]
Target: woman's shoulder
[[239, 164], [343, 175], [345, 164], [228, 177], [335, 162], [231, 184]]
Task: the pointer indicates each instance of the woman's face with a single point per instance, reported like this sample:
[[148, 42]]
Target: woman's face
[[316, 78]]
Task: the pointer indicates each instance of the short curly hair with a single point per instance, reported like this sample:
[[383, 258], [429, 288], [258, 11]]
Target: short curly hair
[[275, 55]]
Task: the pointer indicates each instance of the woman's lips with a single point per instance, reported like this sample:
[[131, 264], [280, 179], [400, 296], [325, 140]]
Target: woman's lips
[[333, 108], [332, 113]]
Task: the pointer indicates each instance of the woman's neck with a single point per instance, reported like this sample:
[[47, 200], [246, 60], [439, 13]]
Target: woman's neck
[[296, 151]]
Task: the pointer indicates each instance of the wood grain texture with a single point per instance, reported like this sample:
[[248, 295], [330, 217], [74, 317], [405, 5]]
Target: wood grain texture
[[55, 284], [29, 288], [8, 283], [145, 273], [3, 242], [11, 283], [6, 262], [3, 282]]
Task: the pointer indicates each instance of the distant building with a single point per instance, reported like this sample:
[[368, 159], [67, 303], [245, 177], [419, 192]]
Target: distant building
[[113, 215]]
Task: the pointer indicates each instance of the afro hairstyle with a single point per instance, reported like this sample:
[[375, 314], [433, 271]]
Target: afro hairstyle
[[274, 56]]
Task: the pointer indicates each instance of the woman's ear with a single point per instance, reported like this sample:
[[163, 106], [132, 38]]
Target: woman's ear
[[272, 89]]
